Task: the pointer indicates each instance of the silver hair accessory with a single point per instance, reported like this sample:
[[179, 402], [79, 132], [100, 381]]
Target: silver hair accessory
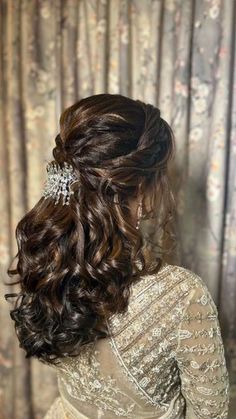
[[59, 181], [139, 212]]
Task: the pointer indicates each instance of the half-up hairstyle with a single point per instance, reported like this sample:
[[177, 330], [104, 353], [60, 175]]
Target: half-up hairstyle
[[76, 263]]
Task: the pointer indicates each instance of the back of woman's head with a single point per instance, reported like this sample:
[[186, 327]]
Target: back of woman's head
[[76, 262]]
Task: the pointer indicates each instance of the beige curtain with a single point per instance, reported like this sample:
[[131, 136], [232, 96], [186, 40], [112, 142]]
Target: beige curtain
[[178, 55]]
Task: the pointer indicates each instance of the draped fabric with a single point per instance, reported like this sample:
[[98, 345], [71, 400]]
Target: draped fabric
[[178, 55]]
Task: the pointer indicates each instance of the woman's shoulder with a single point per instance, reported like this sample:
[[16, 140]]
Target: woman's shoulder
[[171, 281], [169, 292], [181, 274], [193, 285]]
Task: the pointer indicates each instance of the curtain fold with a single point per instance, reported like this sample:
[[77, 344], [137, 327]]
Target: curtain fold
[[179, 56]]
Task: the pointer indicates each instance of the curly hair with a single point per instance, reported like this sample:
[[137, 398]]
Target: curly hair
[[76, 263]]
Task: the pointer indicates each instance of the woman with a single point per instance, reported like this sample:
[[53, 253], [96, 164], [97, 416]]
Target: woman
[[128, 334]]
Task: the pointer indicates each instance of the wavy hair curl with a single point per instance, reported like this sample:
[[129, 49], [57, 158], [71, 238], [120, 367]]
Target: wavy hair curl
[[76, 263]]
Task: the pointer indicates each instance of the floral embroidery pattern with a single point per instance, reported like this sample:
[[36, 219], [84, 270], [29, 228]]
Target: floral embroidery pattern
[[168, 345]]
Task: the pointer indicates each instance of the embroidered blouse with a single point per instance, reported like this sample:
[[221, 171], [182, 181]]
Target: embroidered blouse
[[165, 359]]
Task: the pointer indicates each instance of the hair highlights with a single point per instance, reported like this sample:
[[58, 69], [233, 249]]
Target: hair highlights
[[76, 263]]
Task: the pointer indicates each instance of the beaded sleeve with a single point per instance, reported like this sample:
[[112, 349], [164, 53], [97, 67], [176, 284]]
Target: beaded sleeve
[[201, 358]]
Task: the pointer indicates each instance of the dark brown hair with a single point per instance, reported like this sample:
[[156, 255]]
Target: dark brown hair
[[76, 263]]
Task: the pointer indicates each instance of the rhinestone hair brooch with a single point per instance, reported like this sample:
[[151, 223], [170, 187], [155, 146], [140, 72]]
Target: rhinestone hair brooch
[[59, 181]]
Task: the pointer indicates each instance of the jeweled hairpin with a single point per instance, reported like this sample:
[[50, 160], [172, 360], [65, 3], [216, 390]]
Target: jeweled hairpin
[[59, 181]]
